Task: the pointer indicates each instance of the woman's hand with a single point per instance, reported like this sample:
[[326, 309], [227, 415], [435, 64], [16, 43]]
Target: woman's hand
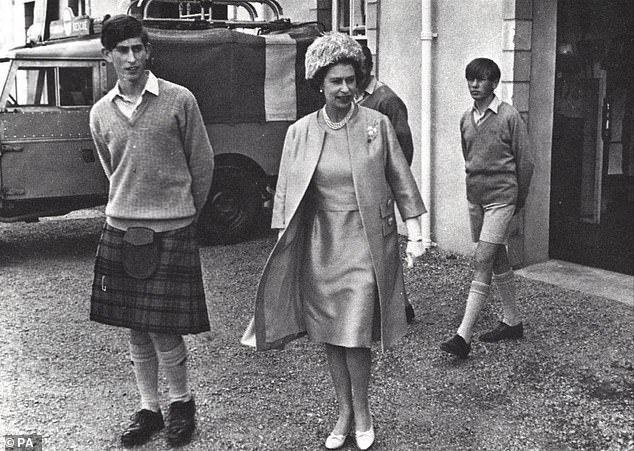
[[415, 246], [413, 252]]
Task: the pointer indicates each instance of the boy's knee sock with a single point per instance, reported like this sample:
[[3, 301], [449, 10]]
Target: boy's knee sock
[[173, 363], [145, 366], [478, 294], [505, 284]]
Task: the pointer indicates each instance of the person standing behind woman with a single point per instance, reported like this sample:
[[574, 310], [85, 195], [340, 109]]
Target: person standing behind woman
[[335, 272], [374, 94], [499, 170], [154, 149]]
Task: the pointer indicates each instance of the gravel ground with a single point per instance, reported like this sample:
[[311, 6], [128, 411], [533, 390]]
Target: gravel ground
[[569, 384]]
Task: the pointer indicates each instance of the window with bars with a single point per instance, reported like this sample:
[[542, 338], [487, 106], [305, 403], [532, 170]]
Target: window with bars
[[78, 7], [349, 16]]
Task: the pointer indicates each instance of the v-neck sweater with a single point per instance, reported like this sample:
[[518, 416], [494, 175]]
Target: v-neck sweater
[[498, 165], [159, 162]]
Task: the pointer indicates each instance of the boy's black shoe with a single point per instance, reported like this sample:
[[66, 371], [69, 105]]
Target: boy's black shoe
[[181, 422], [144, 424], [503, 331], [409, 313], [456, 346]]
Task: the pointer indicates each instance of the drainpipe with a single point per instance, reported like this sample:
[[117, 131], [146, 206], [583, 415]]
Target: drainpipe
[[426, 37]]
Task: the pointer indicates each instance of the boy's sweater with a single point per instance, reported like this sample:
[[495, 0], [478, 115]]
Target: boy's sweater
[[497, 160], [159, 162]]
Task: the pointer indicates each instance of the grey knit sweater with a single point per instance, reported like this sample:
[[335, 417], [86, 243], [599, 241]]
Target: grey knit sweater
[[497, 159], [159, 162]]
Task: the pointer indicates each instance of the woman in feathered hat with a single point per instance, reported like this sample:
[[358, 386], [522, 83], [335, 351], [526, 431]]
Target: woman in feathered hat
[[335, 273]]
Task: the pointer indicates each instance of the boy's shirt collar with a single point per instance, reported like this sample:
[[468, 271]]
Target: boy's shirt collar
[[151, 86], [493, 106], [480, 116], [373, 84]]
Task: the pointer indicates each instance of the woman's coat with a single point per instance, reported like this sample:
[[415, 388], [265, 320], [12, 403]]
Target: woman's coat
[[381, 176]]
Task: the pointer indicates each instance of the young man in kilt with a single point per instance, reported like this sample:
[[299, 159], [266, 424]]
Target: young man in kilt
[[154, 149]]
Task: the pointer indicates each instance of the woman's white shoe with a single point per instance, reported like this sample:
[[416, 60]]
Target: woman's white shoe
[[365, 439], [335, 441]]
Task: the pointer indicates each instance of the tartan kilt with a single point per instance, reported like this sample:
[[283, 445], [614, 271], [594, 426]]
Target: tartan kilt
[[171, 301]]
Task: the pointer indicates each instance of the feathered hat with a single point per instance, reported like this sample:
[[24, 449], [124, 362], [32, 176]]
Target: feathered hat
[[329, 49]]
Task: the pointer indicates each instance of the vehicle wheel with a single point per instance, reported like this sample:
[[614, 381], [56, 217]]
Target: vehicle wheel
[[232, 206]]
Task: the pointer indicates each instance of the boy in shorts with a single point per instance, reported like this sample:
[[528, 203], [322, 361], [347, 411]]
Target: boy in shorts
[[499, 169]]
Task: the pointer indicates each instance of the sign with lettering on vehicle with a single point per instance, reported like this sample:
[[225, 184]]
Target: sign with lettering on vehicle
[[69, 25]]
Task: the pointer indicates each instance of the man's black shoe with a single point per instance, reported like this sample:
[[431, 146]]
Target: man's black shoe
[[456, 346], [181, 422], [144, 424], [409, 313], [503, 331]]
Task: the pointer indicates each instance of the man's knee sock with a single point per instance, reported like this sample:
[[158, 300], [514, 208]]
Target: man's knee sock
[[478, 294], [145, 366], [505, 284], [173, 363]]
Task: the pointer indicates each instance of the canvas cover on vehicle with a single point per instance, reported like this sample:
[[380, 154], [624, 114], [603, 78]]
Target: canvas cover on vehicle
[[238, 77]]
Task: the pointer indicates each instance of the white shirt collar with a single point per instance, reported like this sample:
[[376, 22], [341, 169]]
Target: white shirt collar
[[151, 86], [373, 84], [493, 106]]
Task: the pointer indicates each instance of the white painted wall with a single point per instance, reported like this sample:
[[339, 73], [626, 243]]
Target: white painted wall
[[299, 11], [466, 30], [99, 8], [536, 218], [11, 24]]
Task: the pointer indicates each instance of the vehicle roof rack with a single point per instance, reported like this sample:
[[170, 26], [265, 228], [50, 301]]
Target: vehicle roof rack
[[199, 13]]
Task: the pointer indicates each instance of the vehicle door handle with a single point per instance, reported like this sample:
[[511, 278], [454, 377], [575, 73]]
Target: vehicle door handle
[[6, 149], [87, 155]]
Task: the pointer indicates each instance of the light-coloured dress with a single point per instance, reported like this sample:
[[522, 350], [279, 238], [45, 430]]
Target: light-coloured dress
[[382, 180], [339, 290]]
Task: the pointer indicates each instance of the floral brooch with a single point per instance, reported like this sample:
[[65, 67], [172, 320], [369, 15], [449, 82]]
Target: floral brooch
[[373, 131]]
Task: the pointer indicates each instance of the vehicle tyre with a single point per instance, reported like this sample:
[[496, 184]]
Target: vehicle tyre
[[232, 206]]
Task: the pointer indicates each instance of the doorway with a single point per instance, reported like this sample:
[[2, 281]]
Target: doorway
[[591, 211]]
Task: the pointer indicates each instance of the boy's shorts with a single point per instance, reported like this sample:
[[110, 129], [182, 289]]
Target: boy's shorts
[[491, 222]]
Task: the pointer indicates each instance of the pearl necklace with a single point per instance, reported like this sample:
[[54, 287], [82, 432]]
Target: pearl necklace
[[341, 123]]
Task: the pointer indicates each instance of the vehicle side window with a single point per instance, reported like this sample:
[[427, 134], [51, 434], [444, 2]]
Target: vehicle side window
[[75, 86], [46, 86], [34, 86]]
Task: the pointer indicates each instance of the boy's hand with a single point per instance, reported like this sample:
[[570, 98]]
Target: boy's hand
[[413, 252]]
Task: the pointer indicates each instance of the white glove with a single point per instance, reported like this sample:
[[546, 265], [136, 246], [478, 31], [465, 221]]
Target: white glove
[[280, 232], [413, 252]]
